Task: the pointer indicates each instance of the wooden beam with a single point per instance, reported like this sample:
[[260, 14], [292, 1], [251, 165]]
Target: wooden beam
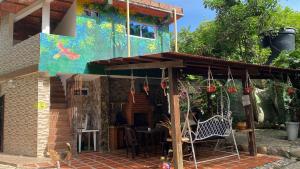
[[250, 124], [153, 65], [29, 9], [175, 119]]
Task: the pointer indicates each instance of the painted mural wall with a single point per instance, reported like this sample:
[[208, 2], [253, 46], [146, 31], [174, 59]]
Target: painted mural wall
[[98, 37]]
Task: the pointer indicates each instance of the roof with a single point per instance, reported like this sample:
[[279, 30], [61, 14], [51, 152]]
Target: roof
[[32, 23], [193, 64]]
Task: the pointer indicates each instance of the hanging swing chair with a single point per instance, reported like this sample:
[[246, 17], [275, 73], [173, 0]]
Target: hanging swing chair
[[219, 125]]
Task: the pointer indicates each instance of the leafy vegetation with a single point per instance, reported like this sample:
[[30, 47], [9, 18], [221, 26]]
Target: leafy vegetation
[[236, 34]]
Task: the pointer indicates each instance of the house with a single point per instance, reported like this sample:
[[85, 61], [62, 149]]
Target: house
[[45, 43]]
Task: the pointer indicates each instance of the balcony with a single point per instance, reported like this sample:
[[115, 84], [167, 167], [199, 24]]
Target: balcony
[[23, 56]]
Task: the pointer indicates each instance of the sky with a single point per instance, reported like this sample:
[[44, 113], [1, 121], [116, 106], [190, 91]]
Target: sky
[[195, 13]]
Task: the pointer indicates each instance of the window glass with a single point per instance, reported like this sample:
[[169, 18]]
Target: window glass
[[135, 29], [87, 12], [148, 31], [142, 30]]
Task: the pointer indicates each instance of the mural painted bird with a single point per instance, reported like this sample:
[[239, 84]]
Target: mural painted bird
[[65, 52], [58, 157]]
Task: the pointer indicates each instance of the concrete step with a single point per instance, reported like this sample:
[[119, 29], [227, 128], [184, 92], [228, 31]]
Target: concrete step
[[58, 105], [61, 125], [59, 131]]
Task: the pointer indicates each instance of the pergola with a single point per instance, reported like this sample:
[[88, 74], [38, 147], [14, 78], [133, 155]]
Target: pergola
[[178, 63]]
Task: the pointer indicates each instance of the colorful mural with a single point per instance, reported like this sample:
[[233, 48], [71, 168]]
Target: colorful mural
[[98, 37]]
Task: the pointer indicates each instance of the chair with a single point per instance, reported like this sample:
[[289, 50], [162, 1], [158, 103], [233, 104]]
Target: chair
[[163, 140], [131, 141], [84, 129]]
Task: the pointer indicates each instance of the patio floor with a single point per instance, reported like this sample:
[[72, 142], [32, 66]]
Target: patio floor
[[119, 160]]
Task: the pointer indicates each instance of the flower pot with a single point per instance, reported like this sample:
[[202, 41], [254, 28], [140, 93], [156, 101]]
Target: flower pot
[[241, 125], [163, 84], [248, 90], [231, 89], [211, 89], [291, 91], [292, 130]]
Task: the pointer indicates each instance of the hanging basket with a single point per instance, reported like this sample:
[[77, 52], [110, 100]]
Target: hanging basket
[[290, 90], [163, 83], [132, 87], [146, 86], [248, 84], [248, 90], [211, 87], [231, 87]]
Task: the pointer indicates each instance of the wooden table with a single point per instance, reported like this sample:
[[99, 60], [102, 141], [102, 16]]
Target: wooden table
[[147, 135]]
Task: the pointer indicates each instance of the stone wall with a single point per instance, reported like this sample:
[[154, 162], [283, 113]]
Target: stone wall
[[43, 115], [26, 115], [20, 115], [95, 104], [18, 56]]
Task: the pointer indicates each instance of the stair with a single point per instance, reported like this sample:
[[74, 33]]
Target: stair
[[57, 96], [60, 131]]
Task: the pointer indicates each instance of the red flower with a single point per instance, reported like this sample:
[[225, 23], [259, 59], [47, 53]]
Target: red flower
[[248, 90], [291, 91], [231, 89], [211, 89]]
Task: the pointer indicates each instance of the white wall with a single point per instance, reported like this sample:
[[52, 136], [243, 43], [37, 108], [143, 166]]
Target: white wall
[[67, 26]]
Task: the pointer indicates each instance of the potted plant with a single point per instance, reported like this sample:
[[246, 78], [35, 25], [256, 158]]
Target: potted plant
[[292, 124]]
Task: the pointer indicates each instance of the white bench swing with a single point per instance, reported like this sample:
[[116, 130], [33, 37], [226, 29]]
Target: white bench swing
[[219, 125]]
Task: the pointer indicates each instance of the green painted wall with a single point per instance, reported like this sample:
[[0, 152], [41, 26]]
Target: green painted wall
[[98, 38]]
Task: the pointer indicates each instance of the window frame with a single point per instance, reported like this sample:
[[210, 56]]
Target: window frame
[[141, 24]]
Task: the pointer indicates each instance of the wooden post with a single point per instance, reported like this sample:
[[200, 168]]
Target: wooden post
[[175, 119], [175, 30], [250, 122], [128, 28]]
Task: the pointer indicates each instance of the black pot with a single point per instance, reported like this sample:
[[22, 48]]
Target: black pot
[[285, 40]]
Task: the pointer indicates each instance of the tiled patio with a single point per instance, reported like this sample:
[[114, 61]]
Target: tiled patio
[[119, 160]]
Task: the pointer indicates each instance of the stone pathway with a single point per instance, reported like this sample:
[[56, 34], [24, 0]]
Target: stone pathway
[[272, 142]]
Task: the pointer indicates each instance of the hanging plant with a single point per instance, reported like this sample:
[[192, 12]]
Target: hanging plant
[[290, 89], [231, 87], [163, 83], [211, 87], [248, 84], [146, 86], [132, 88]]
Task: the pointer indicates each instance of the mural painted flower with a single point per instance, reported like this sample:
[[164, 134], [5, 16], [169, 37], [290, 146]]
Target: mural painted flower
[[152, 47], [119, 28], [106, 25]]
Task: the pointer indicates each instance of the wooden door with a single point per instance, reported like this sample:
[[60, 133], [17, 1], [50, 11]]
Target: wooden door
[[1, 122]]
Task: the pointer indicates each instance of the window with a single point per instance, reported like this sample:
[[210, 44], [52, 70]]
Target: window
[[142, 30], [91, 13], [82, 92]]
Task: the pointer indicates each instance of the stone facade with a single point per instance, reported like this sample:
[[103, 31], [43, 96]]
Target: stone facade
[[26, 115], [43, 115], [18, 56]]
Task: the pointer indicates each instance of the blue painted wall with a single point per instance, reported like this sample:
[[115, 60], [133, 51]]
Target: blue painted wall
[[98, 38]]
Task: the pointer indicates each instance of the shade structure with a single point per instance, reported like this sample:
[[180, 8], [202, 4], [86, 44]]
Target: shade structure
[[194, 64], [177, 63]]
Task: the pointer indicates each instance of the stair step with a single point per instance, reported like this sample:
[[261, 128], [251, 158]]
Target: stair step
[[58, 105]]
